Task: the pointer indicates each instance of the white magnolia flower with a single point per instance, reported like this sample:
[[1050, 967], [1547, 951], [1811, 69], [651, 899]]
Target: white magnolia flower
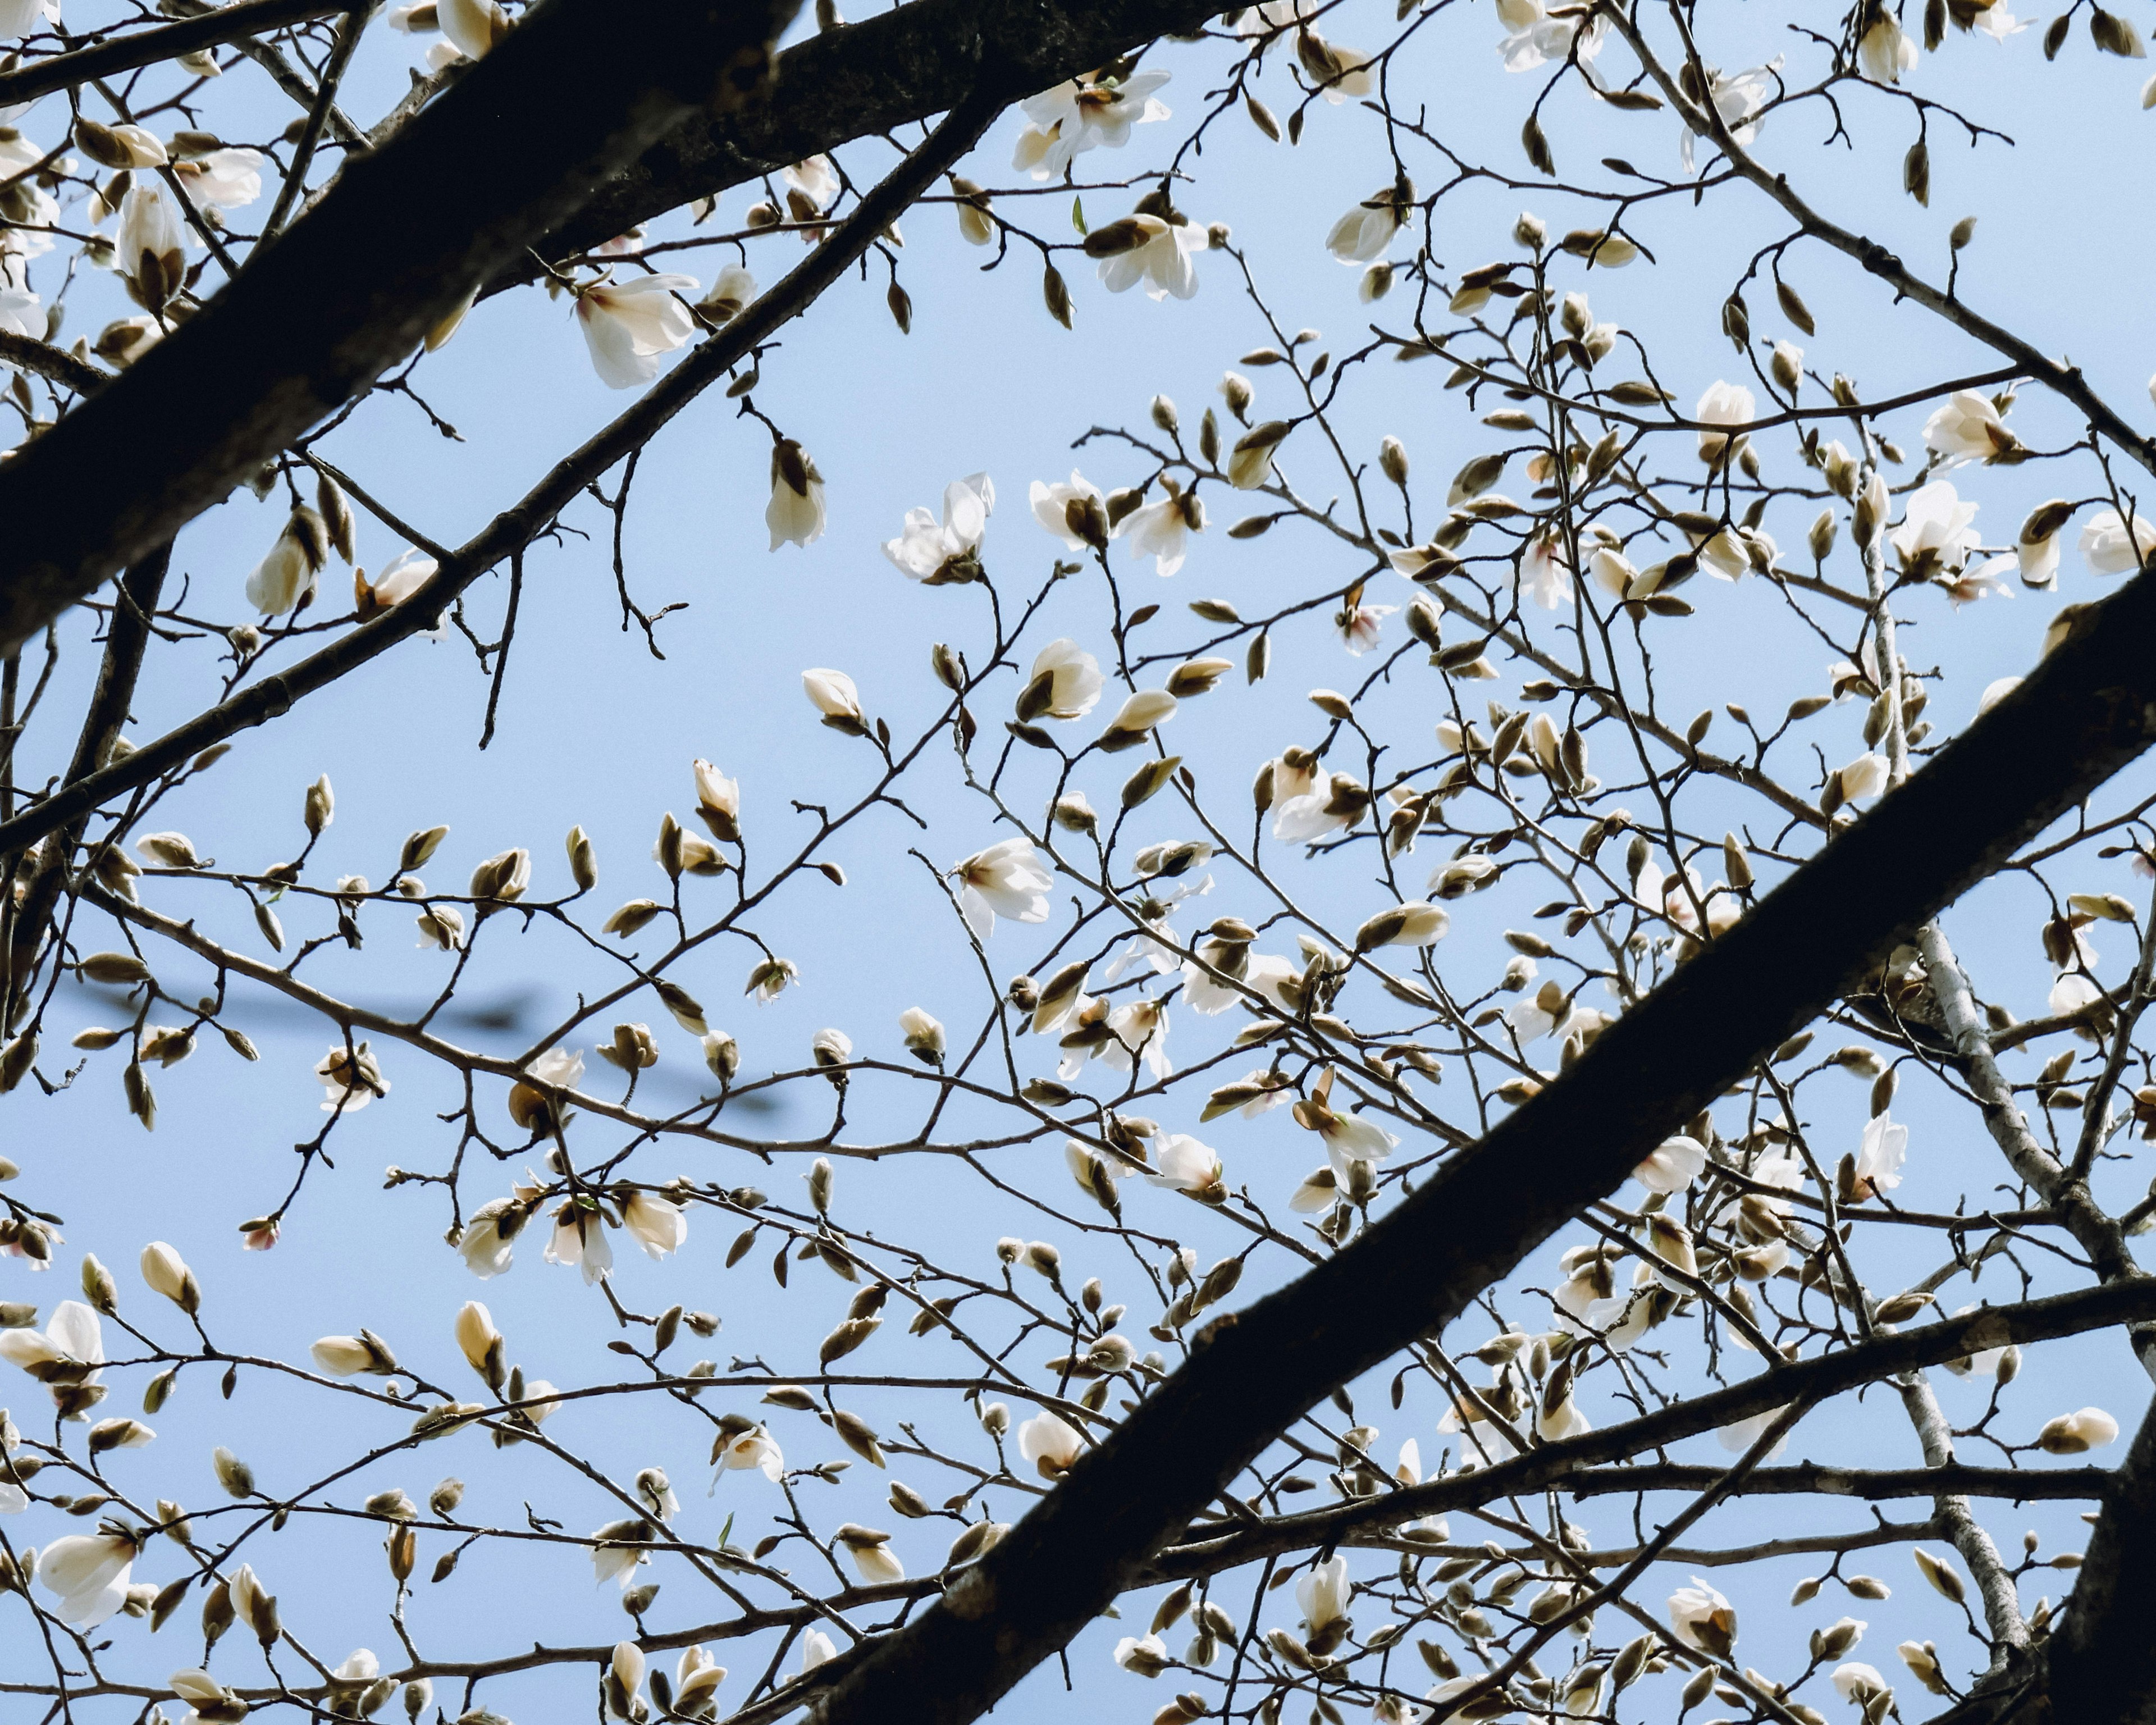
[[352, 1077], [2109, 550], [224, 179], [1967, 427], [1703, 1619], [936, 552], [1985, 1362], [1359, 627], [1263, 974], [1324, 1594], [486, 1243], [1741, 1435], [1544, 574], [1075, 117], [815, 179], [629, 324], [816, 1648], [69, 1350], [1316, 812], [473, 27], [923, 1034], [795, 514], [150, 236], [1065, 509], [1723, 404], [832, 694], [732, 293], [1050, 1443], [1883, 51], [1075, 680], [2071, 1434], [696, 1677], [1147, 1656], [1534, 39], [1672, 1165], [754, 1448], [1935, 536], [1162, 529], [580, 1239], [18, 17], [1007, 879], [1858, 1681], [89, 1572], [1878, 1158], [1137, 1030], [1866, 776], [1366, 232], [657, 1223], [615, 1554], [1185, 1165], [1161, 260], [284, 579], [21, 313]]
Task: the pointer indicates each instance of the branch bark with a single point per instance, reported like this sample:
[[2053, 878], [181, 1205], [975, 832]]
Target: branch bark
[[531, 515], [323, 312], [2089, 708], [903, 66], [145, 48]]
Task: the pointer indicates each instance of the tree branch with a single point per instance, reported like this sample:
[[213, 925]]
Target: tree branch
[[322, 313], [147, 47], [2090, 707]]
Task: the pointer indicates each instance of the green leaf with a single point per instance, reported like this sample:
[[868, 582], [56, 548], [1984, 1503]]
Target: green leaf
[[1078, 214]]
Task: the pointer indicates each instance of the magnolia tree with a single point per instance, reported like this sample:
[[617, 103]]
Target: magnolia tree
[[1366, 1186]]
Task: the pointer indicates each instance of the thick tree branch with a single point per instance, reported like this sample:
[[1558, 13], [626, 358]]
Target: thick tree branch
[[145, 48], [1569, 1462], [903, 66], [535, 511], [2089, 708], [328, 309]]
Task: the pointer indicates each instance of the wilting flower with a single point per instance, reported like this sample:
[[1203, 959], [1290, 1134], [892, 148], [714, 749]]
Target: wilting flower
[[1075, 117], [1050, 1443], [88, 1571], [352, 1077], [2071, 1434], [629, 324], [1075, 513], [1007, 879], [1703, 1619], [935, 554], [2108, 547], [795, 510], [1672, 1165], [755, 1449]]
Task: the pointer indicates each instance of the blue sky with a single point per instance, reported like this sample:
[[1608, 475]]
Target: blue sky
[[594, 731]]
